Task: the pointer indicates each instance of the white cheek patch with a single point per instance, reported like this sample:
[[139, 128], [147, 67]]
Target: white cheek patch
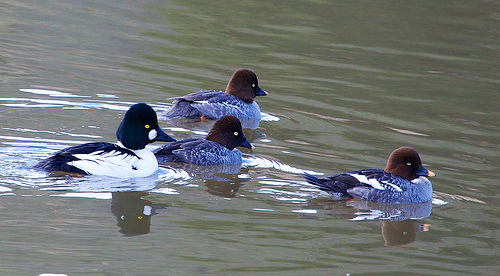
[[152, 134], [148, 210]]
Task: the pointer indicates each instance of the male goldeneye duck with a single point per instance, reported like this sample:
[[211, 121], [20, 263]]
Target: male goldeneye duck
[[218, 147], [402, 181], [237, 100], [127, 158]]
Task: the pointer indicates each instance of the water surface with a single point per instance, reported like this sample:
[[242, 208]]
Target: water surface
[[348, 82]]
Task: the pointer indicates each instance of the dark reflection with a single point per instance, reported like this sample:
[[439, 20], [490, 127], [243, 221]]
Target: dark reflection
[[224, 185], [399, 221], [399, 233], [133, 213], [222, 180]]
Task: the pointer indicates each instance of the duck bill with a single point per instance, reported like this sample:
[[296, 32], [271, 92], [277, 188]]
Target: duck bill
[[261, 92], [422, 171], [162, 136], [247, 144]]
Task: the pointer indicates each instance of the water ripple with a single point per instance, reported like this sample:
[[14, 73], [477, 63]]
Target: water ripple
[[260, 163]]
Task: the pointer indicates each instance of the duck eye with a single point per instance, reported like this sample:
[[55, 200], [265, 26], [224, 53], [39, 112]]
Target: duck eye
[[236, 133], [408, 164], [253, 85], [146, 126]]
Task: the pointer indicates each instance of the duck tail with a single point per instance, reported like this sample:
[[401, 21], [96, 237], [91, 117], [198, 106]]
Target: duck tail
[[311, 179], [333, 184]]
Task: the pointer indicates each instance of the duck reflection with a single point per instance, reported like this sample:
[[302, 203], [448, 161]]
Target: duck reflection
[[133, 213], [400, 233], [389, 211], [224, 185], [222, 180], [400, 224]]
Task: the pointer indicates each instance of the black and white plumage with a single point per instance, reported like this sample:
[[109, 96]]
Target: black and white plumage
[[236, 100], [127, 158], [402, 181], [218, 147]]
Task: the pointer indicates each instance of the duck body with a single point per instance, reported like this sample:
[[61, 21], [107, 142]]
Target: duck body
[[127, 158], [198, 151], [375, 185], [217, 148], [100, 158], [236, 100], [402, 181], [212, 105]]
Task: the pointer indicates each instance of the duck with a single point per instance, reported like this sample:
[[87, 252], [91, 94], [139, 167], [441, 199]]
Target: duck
[[126, 158], [403, 180], [238, 100], [218, 147]]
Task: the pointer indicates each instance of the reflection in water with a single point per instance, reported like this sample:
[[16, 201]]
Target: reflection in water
[[387, 211], [225, 185], [399, 225], [133, 213], [225, 180], [398, 220], [222, 180], [205, 172], [399, 233]]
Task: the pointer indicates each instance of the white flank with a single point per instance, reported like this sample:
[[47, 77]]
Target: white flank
[[372, 182], [375, 183], [117, 164]]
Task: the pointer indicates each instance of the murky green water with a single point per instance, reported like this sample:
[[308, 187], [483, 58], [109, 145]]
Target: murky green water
[[349, 82]]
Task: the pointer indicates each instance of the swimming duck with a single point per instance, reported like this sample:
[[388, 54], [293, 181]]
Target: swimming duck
[[217, 148], [127, 158], [403, 180], [236, 100]]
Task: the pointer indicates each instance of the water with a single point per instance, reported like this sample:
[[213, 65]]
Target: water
[[349, 81]]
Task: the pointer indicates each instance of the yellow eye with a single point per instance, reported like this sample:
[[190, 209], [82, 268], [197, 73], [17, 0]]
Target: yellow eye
[[146, 126], [236, 133], [408, 164], [253, 85]]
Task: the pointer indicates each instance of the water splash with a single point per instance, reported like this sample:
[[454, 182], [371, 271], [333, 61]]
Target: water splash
[[263, 163], [268, 117], [51, 93], [305, 211], [86, 195], [65, 104]]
